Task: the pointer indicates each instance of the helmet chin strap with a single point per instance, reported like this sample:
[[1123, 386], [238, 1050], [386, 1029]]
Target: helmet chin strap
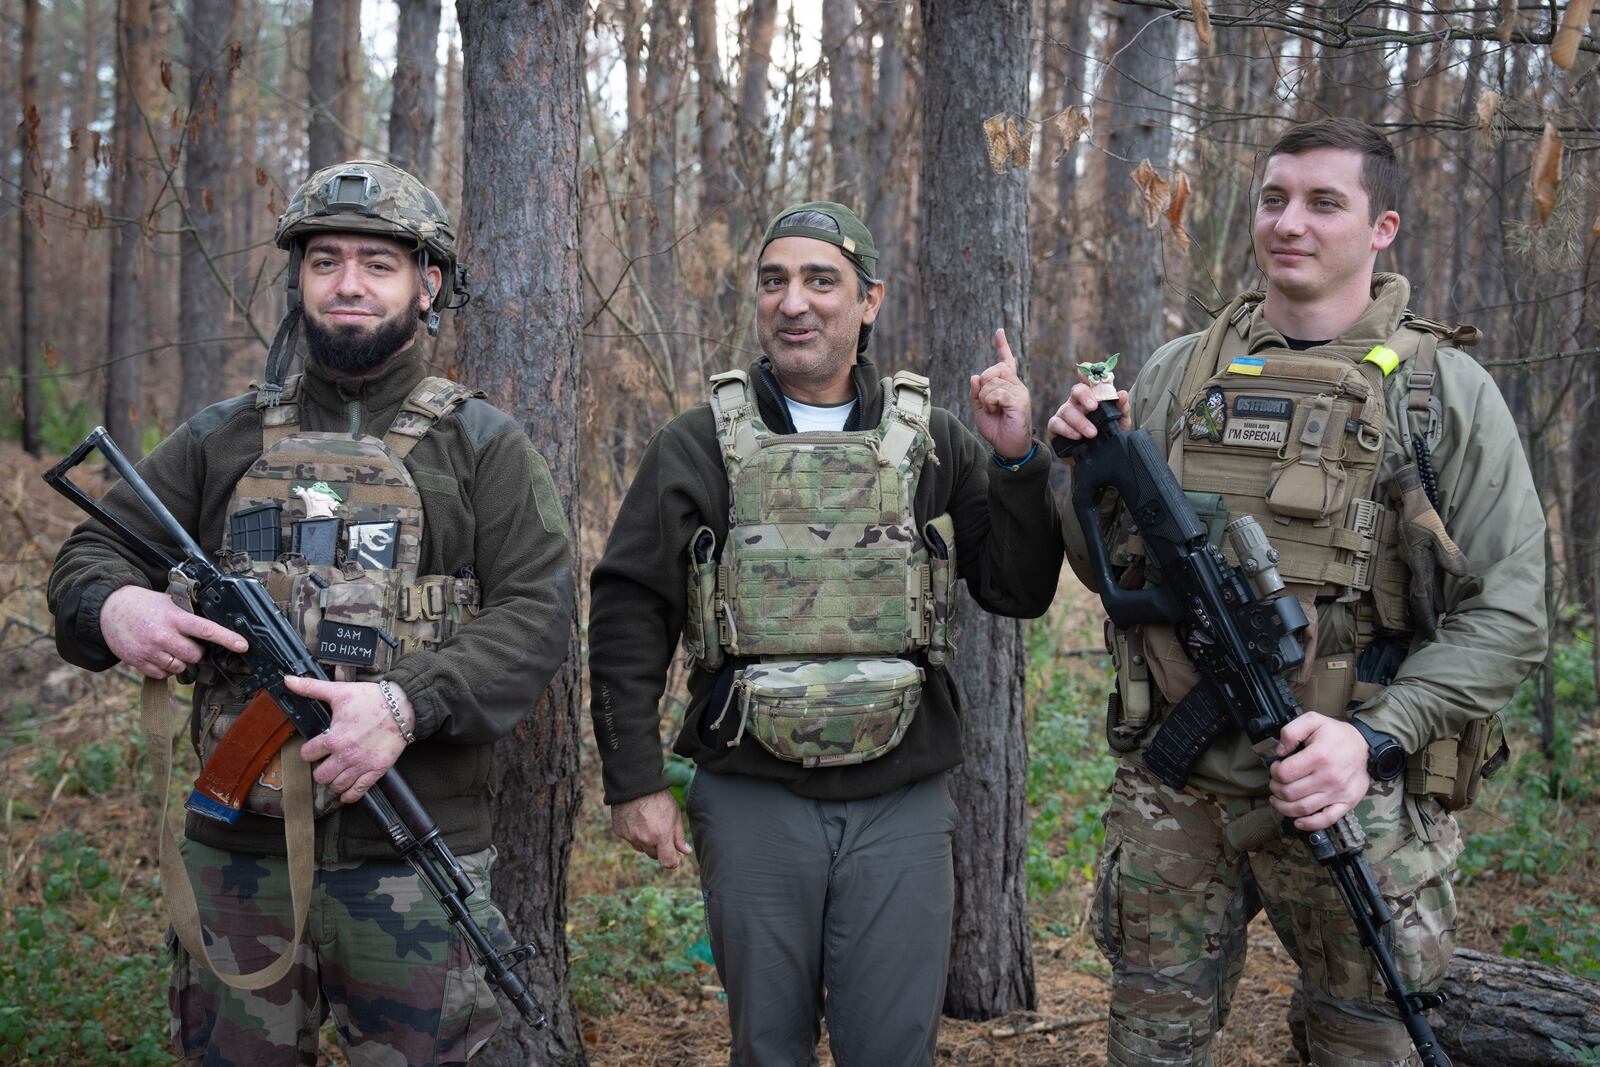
[[282, 350], [431, 316]]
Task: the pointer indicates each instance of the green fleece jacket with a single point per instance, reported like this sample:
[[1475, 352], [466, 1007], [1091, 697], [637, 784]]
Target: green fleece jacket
[[1493, 633], [1007, 550], [488, 504]]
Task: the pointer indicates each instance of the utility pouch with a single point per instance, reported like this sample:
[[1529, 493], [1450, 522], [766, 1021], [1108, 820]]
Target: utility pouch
[[1452, 769], [1129, 705], [702, 643], [828, 712], [939, 596], [349, 621], [1311, 481], [220, 710]]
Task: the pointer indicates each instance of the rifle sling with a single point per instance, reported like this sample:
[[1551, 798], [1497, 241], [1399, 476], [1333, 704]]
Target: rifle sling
[[155, 706]]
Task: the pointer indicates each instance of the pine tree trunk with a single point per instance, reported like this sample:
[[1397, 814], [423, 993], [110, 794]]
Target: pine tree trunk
[[847, 130], [352, 111], [752, 149], [885, 199], [714, 187], [975, 267], [29, 217], [1133, 296], [206, 309], [416, 67], [125, 332], [519, 341], [323, 142]]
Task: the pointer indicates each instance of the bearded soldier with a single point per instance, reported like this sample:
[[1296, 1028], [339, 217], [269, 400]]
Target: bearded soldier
[[1383, 465], [802, 531], [413, 535]]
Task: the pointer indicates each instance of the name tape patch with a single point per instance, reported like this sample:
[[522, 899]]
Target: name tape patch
[[1256, 433], [340, 642], [1263, 407]]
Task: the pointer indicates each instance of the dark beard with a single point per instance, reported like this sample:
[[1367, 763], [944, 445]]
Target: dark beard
[[349, 350]]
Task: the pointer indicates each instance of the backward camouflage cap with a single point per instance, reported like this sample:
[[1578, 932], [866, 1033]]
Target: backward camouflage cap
[[369, 196], [849, 234]]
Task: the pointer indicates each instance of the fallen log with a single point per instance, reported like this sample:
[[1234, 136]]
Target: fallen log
[[1504, 1012]]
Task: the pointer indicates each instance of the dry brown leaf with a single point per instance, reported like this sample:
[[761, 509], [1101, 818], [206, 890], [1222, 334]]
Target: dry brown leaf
[[1202, 20], [166, 75], [1488, 106], [261, 177], [1008, 144], [1595, 229], [1547, 173], [51, 357], [1153, 188], [1071, 125], [1564, 47], [1507, 23], [1175, 206]]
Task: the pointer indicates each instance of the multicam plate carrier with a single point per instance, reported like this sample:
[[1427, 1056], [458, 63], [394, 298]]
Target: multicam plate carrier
[[825, 578], [357, 614]]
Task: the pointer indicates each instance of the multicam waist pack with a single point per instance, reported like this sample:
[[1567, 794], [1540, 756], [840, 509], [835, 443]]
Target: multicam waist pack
[[331, 523], [825, 577]]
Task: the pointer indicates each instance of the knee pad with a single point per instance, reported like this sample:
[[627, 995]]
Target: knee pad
[[1136, 1042]]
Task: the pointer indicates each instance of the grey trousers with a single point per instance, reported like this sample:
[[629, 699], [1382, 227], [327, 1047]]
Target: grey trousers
[[818, 907]]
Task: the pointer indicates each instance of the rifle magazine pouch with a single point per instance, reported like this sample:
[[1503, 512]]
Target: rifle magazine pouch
[[1311, 482], [702, 643], [829, 712], [940, 592], [265, 795]]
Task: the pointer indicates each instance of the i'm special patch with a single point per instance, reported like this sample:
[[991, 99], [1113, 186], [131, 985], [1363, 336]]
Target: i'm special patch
[[1259, 422]]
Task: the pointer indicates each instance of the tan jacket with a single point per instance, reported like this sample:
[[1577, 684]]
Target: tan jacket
[[1494, 631]]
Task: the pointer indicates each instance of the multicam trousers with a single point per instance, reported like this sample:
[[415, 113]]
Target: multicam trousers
[[1173, 899], [377, 952]]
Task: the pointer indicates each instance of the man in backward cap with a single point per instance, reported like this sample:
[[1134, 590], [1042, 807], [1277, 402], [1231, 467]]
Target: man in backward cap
[[412, 533], [802, 532]]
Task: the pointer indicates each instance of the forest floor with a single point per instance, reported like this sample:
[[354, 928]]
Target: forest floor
[[82, 974]]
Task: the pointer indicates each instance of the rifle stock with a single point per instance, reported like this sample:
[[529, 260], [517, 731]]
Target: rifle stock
[[1242, 641]]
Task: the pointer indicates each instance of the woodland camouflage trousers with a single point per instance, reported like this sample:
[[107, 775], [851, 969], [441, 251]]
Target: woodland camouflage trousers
[[377, 952], [1173, 899]]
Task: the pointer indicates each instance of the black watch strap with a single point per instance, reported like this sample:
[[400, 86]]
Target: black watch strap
[[1385, 758]]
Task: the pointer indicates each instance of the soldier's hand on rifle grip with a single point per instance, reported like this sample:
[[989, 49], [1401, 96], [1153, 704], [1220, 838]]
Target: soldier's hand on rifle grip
[[362, 742], [1071, 419], [151, 634], [1321, 772]]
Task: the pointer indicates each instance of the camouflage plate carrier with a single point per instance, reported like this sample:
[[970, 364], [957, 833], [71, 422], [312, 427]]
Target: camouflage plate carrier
[[825, 578], [359, 603], [1299, 440]]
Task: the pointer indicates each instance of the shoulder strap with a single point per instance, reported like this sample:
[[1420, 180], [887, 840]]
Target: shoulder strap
[[734, 410], [907, 403], [280, 412], [429, 403]]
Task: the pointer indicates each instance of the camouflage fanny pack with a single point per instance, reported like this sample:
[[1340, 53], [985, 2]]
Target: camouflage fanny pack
[[826, 712]]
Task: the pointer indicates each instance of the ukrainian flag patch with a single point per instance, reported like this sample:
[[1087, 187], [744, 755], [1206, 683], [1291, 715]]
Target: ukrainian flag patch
[[1252, 365]]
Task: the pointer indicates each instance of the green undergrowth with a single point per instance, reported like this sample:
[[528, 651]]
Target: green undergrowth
[[63, 997]]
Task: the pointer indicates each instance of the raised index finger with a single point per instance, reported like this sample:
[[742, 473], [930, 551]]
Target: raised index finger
[[1002, 350]]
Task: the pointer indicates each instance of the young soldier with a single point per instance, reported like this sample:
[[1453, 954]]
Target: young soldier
[[1363, 442], [821, 514], [387, 506]]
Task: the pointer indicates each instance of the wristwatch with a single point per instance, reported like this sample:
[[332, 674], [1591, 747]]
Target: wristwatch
[[1385, 758]]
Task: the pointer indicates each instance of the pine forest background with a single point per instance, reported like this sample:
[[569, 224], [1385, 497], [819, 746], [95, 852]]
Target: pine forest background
[[1080, 172]]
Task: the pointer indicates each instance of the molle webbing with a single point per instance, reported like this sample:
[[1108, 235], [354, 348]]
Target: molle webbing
[[823, 554]]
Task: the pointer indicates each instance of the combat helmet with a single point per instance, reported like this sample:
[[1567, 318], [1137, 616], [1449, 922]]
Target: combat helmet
[[365, 196]]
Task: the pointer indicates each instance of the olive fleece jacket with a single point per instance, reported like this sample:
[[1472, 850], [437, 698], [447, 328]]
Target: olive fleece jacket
[[1007, 549], [1493, 633], [488, 504]]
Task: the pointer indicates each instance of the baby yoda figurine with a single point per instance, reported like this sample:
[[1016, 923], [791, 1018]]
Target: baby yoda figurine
[[1098, 375]]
